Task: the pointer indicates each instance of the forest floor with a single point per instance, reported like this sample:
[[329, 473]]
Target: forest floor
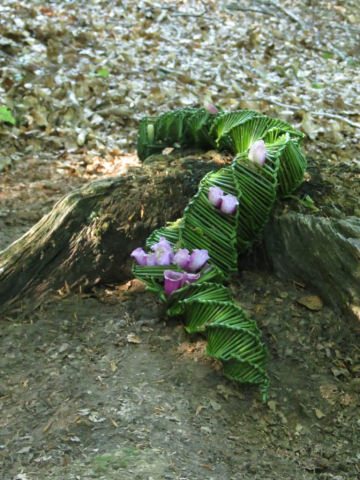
[[105, 386]]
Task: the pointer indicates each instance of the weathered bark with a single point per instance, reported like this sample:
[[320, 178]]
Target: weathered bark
[[322, 249], [88, 236]]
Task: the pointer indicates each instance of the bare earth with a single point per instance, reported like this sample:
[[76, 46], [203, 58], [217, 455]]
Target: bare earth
[[105, 386]]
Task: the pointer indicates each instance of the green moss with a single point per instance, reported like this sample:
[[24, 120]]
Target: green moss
[[115, 460]]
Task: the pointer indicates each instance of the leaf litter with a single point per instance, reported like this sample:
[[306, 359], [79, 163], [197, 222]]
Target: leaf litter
[[75, 79]]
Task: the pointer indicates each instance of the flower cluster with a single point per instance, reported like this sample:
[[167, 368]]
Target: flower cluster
[[227, 203], [163, 255]]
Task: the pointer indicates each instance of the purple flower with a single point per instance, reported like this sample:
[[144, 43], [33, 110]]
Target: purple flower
[[164, 257], [210, 108], [163, 244], [172, 281], [182, 257], [150, 260], [208, 268], [140, 256], [197, 260], [163, 252], [190, 278], [257, 153], [228, 204], [215, 196]]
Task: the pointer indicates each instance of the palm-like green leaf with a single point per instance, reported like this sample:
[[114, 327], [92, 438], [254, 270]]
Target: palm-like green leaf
[[240, 137], [171, 233], [292, 168], [227, 121], [146, 146], [258, 186], [198, 127], [207, 306], [206, 227]]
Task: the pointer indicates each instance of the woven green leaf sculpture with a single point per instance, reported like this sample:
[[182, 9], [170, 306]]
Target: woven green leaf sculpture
[[203, 301]]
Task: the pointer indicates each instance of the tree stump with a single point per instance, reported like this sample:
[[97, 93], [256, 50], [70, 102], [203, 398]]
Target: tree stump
[[88, 236], [321, 248]]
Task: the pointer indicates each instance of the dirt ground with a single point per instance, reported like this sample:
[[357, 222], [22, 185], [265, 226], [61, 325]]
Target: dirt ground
[[105, 386]]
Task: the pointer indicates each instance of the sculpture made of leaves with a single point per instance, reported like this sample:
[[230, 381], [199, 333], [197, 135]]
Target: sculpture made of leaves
[[207, 305]]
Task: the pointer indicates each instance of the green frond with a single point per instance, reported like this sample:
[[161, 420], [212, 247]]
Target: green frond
[[241, 137], [258, 187], [170, 127], [198, 127], [224, 122], [292, 168], [147, 146], [206, 227], [171, 233], [206, 305]]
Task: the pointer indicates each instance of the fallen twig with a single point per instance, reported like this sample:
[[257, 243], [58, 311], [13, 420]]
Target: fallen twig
[[336, 117], [244, 9], [195, 15], [314, 113], [239, 89], [287, 12]]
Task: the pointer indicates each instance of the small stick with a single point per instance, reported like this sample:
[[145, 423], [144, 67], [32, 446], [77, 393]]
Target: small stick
[[285, 10], [243, 9], [239, 89]]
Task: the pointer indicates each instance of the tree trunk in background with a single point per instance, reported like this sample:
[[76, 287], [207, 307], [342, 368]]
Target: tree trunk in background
[[87, 238]]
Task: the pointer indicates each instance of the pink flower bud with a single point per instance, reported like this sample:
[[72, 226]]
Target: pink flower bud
[[257, 153], [140, 256], [210, 108], [215, 196], [164, 257], [150, 260], [229, 204], [197, 260], [190, 278], [172, 281], [182, 257], [163, 244]]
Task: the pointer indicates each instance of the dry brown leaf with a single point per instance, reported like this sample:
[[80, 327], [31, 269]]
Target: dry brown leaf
[[198, 409], [215, 405], [132, 338], [319, 414], [312, 302], [114, 423]]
